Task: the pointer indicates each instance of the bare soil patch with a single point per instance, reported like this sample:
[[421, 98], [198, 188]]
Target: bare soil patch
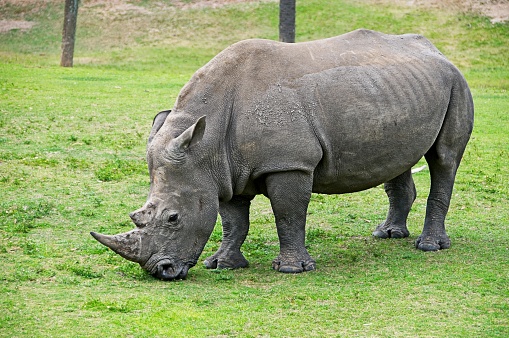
[[123, 6], [496, 10], [9, 25]]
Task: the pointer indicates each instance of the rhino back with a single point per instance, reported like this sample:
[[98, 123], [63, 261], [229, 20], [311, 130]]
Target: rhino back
[[354, 110]]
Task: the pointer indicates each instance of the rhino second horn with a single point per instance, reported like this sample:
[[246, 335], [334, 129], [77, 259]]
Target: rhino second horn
[[127, 245]]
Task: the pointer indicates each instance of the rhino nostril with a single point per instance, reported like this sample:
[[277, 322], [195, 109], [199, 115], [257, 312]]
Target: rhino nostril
[[166, 271]]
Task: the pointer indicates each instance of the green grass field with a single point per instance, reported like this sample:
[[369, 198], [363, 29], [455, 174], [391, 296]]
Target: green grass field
[[72, 149]]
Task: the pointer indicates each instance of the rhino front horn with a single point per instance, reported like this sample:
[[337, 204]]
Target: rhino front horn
[[127, 245]]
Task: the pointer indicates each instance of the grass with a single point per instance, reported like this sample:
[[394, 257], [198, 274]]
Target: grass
[[72, 145]]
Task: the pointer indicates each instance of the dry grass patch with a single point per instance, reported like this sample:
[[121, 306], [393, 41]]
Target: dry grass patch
[[496, 10]]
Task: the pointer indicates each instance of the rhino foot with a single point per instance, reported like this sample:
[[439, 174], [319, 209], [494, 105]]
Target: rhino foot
[[391, 230], [293, 267], [222, 261], [432, 243]]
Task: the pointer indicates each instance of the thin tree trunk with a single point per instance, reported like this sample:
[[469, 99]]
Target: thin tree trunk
[[287, 20], [69, 32]]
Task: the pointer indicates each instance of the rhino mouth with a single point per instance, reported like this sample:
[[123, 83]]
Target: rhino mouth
[[167, 270]]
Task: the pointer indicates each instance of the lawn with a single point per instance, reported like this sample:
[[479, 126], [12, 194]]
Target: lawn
[[72, 160]]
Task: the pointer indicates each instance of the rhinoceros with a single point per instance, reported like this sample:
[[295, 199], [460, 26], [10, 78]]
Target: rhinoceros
[[331, 116]]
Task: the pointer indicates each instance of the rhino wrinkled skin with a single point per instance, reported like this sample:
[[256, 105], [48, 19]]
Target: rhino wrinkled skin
[[331, 116]]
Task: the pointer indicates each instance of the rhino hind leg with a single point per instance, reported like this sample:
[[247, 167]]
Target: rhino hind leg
[[289, 194], [443, 172], [235, 221], [443, 159], [401, 193]]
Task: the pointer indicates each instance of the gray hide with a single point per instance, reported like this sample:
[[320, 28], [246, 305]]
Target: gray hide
[[331, 116]]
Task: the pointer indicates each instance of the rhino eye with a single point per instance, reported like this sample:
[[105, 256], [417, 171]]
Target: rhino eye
[[173, 218]]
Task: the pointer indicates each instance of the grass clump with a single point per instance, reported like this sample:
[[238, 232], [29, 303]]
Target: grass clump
[[117, 169], [24, 216]]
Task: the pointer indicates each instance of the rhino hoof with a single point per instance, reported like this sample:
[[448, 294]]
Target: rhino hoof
[[232, 265], [391, 231], [210, 264], [219, 263], [293, 268], [428, 247], [430, 244]]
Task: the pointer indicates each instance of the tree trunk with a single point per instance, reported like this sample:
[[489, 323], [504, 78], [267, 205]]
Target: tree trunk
[[287, 20], [69, 32]]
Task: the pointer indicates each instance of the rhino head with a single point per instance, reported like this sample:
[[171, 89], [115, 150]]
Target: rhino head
[[181, 210]]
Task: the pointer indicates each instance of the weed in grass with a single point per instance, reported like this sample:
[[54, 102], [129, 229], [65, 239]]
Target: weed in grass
[[29, 247], [223, 275], [25, 274], [117, 169], [131, 270], [99, 305], [76, 163], [88, 212], [40, 162], [80, 270], [22, 216]]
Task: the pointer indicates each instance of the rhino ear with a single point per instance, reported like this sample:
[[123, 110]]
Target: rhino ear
[[157, 124], [191, 136]]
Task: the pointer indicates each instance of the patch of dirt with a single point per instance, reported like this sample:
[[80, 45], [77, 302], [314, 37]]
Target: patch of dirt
[[9, 25], [119, 8], [176, 3], [496, 10], [23, 3], [211, 3], [124, 8]]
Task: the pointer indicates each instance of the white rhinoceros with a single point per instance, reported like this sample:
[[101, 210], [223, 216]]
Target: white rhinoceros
[[331, 116]]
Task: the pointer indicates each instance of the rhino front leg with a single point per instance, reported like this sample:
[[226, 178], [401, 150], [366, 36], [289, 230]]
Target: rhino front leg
[[235, 220], [401, 193], [289, 194]]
